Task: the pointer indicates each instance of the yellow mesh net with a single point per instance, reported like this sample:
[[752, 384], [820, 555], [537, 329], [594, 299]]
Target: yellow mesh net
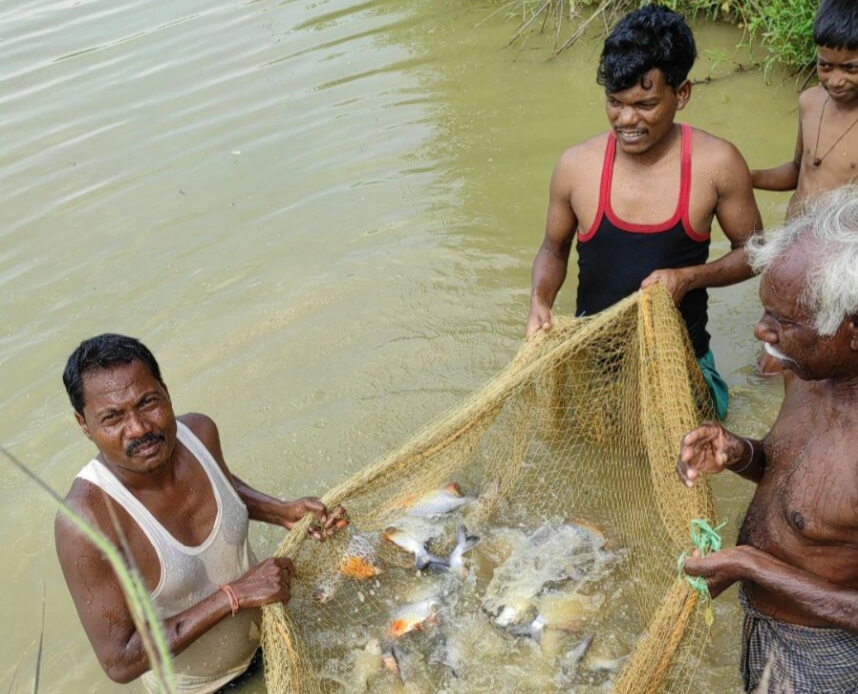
[[563, 465]]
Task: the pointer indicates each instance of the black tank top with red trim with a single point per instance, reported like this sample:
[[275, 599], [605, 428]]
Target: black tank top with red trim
[[614, 256]]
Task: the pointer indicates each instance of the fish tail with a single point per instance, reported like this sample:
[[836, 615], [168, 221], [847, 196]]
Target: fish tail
[[424, 560], [390, 661], [465, 541], [576, 655], [537, 628], [534, 629]]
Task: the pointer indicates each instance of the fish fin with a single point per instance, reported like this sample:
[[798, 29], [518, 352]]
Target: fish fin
[[430, 561], [453, 488], [576, 655], [465, 541], [390, 662], [405, 501], [398, 627], [537, 628]]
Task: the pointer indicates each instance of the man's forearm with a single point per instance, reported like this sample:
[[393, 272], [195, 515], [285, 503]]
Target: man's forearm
[[261, 507], [729, 269], [826, 601], [750, 459], [780, 178], [549, 273], [180, 632]]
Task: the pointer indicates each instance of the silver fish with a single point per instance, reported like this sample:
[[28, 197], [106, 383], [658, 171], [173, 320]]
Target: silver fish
[[437, 501], [566, 556], [464, 543], [412, 534]]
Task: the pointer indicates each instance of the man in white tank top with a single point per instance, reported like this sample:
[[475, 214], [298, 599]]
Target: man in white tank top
[[181, 518]]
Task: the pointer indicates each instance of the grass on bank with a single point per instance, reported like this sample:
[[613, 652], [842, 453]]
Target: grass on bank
[[783, 28], [136, 596]]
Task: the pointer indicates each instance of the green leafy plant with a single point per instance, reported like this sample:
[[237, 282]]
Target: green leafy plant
[[784, 28]]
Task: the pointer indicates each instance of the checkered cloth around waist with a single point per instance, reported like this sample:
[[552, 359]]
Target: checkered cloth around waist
[[783, 658]]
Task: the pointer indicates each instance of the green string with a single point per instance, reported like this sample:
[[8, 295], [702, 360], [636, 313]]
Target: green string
[[706, 539]]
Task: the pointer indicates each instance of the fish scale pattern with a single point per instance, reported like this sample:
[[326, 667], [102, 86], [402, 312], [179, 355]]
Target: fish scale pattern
[[583, 425]]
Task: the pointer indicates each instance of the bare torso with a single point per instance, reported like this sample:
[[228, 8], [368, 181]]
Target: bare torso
[[835, 143], [805, 509]]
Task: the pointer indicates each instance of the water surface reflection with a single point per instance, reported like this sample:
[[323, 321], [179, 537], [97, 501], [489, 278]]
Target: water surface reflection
[[320, 216]]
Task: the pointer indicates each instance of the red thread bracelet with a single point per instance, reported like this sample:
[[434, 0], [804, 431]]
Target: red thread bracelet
[[233, 598]]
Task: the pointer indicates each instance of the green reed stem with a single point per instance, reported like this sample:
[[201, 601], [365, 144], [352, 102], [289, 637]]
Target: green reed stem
[[137, 597]]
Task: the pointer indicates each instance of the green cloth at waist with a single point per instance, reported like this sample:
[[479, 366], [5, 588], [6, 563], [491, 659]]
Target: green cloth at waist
[[718, 390]]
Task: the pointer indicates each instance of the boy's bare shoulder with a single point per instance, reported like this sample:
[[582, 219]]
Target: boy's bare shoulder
[[811, 98]]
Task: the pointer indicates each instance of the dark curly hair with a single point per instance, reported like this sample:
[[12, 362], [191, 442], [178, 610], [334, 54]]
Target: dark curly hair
[[102, 352], [836, 24], [648, 38]]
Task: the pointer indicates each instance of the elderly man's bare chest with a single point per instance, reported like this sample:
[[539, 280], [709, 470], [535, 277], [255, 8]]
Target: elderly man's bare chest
[[809, 494]]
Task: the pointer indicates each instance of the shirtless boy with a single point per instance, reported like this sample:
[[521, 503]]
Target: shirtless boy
[[648, 217], [826, 150]]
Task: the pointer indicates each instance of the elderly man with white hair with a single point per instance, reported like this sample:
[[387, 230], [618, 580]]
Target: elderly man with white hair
[[797, 552]]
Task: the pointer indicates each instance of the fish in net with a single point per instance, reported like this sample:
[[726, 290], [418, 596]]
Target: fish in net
[[468, 565]]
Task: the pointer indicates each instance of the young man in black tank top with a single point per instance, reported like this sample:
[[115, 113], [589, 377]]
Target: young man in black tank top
[[647, 218]]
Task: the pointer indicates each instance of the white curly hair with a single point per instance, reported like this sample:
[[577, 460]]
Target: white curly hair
[[827, 233]]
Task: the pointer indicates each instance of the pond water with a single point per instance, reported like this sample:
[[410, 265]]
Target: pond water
[[320, 215]]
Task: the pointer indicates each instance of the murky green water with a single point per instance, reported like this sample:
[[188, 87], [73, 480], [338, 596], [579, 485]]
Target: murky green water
[[319, 215]]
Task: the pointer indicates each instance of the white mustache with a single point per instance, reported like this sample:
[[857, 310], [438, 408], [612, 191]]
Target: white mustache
[[780, 356]]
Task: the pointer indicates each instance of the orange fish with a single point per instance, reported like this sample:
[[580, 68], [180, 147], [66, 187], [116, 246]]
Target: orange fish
[[414, 616], [358, 568]]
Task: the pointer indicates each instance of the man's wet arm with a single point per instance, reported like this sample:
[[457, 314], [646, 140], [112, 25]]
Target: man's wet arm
[[828, 602], [751, 461]]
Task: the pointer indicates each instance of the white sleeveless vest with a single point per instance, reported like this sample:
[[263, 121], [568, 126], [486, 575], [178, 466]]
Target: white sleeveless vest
[[190, 574]]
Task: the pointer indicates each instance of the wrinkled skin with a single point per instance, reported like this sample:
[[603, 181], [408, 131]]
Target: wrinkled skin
[[798, 547]]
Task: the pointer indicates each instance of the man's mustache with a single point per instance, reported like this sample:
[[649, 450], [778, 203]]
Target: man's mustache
[[137, 444]]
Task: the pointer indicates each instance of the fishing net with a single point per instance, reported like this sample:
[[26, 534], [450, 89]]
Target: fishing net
[[580, 430]]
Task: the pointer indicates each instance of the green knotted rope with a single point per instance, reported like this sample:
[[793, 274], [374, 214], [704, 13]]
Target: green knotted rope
[[706, 539]]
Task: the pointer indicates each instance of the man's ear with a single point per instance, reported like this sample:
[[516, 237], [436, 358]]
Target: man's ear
[[83, 425], [683, 94], [852, 325]]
